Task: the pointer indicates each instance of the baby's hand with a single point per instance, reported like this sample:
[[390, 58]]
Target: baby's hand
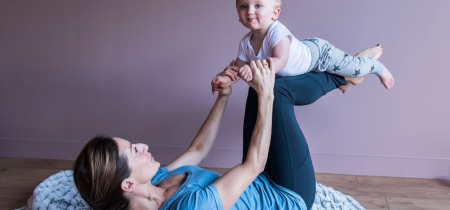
[[246, 73], [225, 78]]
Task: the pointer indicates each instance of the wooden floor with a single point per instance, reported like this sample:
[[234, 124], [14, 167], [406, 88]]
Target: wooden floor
[[18, 178]]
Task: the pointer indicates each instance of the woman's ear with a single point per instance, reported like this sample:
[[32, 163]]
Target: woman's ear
[[128, 185], [276, 13]]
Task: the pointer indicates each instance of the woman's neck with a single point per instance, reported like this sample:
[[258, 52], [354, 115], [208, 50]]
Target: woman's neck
[[148, 197], [152, 197]]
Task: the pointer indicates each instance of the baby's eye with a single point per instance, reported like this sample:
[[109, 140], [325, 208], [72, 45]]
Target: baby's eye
[[135, 149], [258, 6], [243, 6]]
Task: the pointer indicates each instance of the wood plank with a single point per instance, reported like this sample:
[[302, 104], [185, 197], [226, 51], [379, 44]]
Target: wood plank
[[8, 205], [388, 191], [20, 182], [410, 183], [35, 163], [335, 179], [37, 173], [12, 198], [372, 202], [396, 203]]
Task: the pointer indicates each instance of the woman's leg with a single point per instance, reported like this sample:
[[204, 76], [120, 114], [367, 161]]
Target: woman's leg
[[289, 163]]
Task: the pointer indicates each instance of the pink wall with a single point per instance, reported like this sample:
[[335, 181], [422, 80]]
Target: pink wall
[[141, 70]]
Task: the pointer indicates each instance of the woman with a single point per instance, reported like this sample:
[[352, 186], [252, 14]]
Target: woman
[[112, 173]]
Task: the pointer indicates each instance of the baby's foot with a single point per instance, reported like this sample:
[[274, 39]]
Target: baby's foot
[[351, 81], [374, 52], [344, 88], [387, 79]]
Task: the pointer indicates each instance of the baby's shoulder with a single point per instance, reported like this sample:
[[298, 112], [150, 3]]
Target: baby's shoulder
[[278, 27]]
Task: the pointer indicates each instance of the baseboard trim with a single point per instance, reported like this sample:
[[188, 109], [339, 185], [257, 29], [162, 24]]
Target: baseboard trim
[[355, 164]]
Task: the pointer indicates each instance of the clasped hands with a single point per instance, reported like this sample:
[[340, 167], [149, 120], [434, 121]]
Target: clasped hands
[[259, 74]]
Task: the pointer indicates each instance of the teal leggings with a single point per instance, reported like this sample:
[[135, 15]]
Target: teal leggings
[[289, 163]]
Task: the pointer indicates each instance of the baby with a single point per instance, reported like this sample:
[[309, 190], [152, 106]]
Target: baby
[[270, 38]]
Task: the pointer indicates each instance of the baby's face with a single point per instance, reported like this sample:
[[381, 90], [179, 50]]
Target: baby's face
[[257, 14]]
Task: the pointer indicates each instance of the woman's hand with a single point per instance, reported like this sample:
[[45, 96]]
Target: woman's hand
[[263, 76], [226, 91]]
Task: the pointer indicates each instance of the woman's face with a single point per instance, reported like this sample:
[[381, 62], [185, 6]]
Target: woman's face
[[143, 166]]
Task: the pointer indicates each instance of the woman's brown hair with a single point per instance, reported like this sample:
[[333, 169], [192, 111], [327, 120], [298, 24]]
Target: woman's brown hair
[[98, 173]]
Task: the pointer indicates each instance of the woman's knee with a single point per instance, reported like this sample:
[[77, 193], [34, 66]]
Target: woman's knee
[[280, 90]]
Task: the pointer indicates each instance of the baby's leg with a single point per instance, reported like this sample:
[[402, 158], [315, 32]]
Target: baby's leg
[[353, 67], [375, 53]]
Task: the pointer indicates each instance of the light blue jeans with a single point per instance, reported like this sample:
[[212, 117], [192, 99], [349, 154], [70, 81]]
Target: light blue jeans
[[326, 57]]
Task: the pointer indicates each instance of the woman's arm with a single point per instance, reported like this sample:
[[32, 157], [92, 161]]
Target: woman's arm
[[233, 183], [203, 141]]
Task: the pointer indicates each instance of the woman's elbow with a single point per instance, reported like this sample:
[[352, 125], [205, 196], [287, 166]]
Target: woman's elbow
[[256, 167]]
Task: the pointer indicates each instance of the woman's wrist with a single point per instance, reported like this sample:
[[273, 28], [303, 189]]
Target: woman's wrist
[[265, 96], [225, 96]]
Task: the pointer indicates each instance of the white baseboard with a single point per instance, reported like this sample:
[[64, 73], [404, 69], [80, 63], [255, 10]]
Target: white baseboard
[[370, 165]]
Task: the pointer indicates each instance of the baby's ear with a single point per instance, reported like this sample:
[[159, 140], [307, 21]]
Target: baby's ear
[[276, 13]]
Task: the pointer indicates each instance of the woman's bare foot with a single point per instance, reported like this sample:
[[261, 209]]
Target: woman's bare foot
[[351, 81], [387, 79], [374, 52]]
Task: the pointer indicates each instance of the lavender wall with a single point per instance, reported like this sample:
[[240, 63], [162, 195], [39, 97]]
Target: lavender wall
[[141, 70]]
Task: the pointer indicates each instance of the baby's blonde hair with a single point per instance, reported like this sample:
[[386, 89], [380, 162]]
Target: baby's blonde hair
[[277, 5]]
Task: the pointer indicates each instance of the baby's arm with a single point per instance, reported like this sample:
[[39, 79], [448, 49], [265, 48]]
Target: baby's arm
[[280, 57], [280, 53], [228, 76]]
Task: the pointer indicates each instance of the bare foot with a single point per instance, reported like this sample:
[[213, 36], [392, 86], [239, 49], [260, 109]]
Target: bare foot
[[374, 52], [344, 88], [351, 81], [387, 79]]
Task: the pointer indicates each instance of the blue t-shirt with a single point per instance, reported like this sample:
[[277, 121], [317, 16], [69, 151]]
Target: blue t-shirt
[[199, 192]]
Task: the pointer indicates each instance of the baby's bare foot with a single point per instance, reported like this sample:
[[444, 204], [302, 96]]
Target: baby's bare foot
[[374, 52], [344, 88], [387, 79], [351, 81], [354, 80]]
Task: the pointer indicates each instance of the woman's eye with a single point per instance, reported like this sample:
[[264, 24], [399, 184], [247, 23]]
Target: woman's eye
[[135, 149], [258, 6], [243, 6]]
